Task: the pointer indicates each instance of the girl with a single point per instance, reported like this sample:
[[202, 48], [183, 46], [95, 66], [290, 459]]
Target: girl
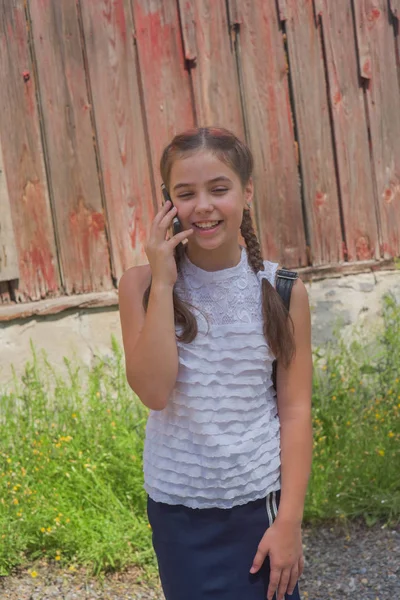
[[226, 460]]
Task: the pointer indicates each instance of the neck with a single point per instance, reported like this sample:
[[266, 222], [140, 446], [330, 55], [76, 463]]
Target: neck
[[214, 260]]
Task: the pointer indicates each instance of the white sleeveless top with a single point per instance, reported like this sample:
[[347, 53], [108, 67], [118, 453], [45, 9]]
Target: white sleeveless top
[[217, 442]]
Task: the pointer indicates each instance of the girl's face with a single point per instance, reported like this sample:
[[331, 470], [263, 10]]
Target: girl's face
[[210, 199]]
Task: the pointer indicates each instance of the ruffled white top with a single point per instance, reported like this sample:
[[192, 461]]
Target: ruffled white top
[[217, 442]]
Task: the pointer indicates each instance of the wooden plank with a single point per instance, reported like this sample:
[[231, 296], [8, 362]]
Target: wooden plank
[[395, 8], [375, 39], [8, 249], [23, 159], [234, 12], [75, 185], [108, 33], [165, 80], [283, 9], [207, 45], [315, 139], [350, 132], [55, 306], [271, 137]]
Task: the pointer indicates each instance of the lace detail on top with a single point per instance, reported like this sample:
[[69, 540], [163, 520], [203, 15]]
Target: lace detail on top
[[217, 442], [225, 297]]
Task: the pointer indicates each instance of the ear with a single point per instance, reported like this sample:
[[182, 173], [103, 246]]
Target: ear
[[249, 192]]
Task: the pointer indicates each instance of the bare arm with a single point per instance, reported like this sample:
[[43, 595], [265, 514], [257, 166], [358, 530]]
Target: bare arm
[[294, 386], [151, 355]]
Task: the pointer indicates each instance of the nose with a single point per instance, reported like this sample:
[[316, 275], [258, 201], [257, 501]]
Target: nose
[[204, 203]]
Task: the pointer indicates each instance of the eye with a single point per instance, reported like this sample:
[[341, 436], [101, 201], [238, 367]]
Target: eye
[[185, 195], [219, 190]]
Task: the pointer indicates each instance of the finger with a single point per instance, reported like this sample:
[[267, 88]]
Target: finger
[[160, 227], [258, 560], [274, 580], [168, 218], [180, 237], [162, 212], [301, 566], [283, 584], [294, 576]]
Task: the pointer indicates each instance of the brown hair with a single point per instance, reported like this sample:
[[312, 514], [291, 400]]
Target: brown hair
[[278, 326]]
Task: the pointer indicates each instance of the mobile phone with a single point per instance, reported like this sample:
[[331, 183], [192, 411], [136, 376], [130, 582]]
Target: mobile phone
[[176, 224]]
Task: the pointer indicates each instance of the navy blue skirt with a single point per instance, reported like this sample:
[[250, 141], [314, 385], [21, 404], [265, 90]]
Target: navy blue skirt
[[206, 554]]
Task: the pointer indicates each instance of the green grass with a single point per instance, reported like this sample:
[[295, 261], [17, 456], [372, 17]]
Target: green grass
[[71, 472], [356, 410], [71, 483]]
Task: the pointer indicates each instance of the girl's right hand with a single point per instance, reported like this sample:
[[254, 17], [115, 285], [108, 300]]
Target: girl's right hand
[[160, 251]]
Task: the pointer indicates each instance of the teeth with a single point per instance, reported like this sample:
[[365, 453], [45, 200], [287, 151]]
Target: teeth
[[207, 224]]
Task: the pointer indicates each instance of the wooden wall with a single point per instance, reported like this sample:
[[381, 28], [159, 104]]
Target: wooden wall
[[92, 90]]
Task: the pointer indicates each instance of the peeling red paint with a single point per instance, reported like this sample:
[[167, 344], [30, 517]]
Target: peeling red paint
[[97, 224], [388, 196], [120, 18], [26, 75], [374, 15], [337, 98], [363, 248], [320, 199], [367, 68], [37, 264]]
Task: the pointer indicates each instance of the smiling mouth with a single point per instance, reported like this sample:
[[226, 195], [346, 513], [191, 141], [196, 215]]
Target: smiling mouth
[[207, 225]]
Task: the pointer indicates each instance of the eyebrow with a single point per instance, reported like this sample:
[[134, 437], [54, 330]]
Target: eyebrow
[[220, 178]]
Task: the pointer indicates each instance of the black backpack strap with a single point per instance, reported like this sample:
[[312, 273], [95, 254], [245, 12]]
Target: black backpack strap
[[284, 283]]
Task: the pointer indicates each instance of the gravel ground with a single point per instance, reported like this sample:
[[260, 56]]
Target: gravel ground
[[340, 562]]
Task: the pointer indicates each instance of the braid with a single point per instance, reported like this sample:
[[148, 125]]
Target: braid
[[252, 244], [278, 325]]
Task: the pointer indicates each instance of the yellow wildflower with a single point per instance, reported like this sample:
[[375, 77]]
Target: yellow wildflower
[[34, 574], [381, 452], [391, 434]]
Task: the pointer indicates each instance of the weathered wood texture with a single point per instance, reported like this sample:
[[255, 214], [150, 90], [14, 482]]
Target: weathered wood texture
[[23, 159], [111, 57], [8, 250], [76, 195], [165, 79], [314, 133], [209, 49], [271, 136], [395, 7], [84, 125], [377, 62], [350, 131]]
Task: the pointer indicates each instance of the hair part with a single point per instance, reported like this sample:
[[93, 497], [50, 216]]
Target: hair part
[[278, 325]]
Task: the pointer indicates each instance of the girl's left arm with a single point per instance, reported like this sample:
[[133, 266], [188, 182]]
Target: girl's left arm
[[294, 385], [282, 540]]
